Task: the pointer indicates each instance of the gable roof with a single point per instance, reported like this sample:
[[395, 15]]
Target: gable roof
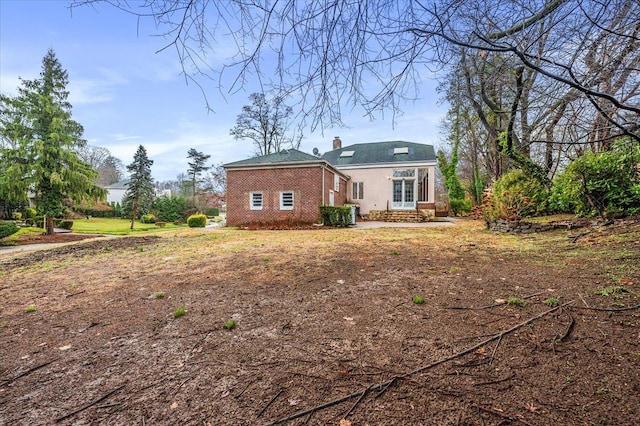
[[380, 153], [284, 156]]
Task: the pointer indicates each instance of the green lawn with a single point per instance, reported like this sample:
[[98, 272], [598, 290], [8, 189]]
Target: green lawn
[[99, 225]]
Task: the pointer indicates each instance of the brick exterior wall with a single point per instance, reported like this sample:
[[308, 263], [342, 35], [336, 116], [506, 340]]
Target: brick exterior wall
[[304, 182]]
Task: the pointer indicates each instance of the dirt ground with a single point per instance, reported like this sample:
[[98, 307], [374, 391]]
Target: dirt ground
[[326, 330]]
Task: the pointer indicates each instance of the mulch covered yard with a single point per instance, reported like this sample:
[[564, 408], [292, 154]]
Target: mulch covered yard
[[327, 331]]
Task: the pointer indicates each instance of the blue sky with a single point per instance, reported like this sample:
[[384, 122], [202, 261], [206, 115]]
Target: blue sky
[[125, 94]]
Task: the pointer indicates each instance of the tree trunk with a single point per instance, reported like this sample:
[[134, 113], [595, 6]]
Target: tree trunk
[[48, 226]]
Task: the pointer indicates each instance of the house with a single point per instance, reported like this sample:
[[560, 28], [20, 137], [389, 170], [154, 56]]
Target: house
[[287, 186], [393, 181], [115, 191]]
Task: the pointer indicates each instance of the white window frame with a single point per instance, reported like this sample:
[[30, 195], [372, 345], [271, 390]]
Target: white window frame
[[282, 201], [336, 182], [357, 190], [252, 201]]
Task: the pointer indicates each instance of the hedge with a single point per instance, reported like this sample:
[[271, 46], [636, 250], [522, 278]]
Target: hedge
[[336, 216]]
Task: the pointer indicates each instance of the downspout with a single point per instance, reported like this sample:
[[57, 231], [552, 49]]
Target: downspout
[[323, 168]]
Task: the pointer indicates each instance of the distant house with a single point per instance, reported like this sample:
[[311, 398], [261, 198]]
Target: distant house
[[289, 185], [392, 181], [115, 191]]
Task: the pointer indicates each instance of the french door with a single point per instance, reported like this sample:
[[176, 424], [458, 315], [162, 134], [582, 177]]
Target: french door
[[404, 194]]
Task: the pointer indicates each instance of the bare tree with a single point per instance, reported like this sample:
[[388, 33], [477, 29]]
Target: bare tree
[[266, 124], [376, 53]]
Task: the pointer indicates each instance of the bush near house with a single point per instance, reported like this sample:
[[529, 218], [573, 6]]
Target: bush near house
[[197, 220], [63, 223], [148, 218], [336, 216]]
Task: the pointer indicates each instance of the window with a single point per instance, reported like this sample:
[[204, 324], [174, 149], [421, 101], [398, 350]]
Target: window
[[346, 153], [404, 173], [358, 191], [423, 185], [336, 182], [286, 200], [403, 150], [255, 200]]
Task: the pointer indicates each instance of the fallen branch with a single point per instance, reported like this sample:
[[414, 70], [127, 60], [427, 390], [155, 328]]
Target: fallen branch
[[384, 385], [29, 371], [629, 308], [75, 294], [269, 403], [90, 404]]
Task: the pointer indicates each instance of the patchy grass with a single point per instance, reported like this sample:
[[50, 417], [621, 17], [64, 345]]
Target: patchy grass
[[111, 226]]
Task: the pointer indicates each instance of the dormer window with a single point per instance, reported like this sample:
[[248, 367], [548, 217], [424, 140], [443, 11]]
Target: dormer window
[[346, 153], [403, 150]]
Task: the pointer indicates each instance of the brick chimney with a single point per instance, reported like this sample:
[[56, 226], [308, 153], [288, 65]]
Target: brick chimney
[[337, 143]]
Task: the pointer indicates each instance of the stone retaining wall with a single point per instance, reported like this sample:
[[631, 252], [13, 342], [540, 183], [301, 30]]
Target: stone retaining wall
[[523, 227]]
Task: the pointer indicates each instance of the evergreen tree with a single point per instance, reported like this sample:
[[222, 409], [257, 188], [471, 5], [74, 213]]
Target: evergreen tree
[[196, 167], [140, 190], [42, 139]]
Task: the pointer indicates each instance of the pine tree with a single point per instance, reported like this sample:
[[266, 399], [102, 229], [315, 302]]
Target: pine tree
[[42, 142], [140, 189], [196, 167]]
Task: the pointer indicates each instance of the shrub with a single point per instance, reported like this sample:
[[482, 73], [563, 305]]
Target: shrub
[[170, 209], [212, 211], [336, 216], [7, 228], [197, 220], [605, 184], [148, 218], [515, 195], [16, 215], [65, 224], [161, 224], [29, 213], [459, 206]]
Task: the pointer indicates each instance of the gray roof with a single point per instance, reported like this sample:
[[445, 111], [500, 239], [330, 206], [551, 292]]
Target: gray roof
[[118, 185], [380, 153], [284, 156]]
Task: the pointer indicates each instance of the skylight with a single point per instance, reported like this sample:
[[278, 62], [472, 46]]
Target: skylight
[[346, 153], [404, 150]]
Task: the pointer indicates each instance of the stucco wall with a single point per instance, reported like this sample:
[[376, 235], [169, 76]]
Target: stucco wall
[[378, 186]]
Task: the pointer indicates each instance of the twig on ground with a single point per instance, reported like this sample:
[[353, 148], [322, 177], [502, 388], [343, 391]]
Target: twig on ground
[[383, 385], [90, 404], [584, 301], [384, 389], [493, 354], [269, 403], [493, 382], [628, 308], [181, 385], [346, 414], [75, 294], [569, 327], [575, 238], [504, 416], [243, 390], [29, 371]]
